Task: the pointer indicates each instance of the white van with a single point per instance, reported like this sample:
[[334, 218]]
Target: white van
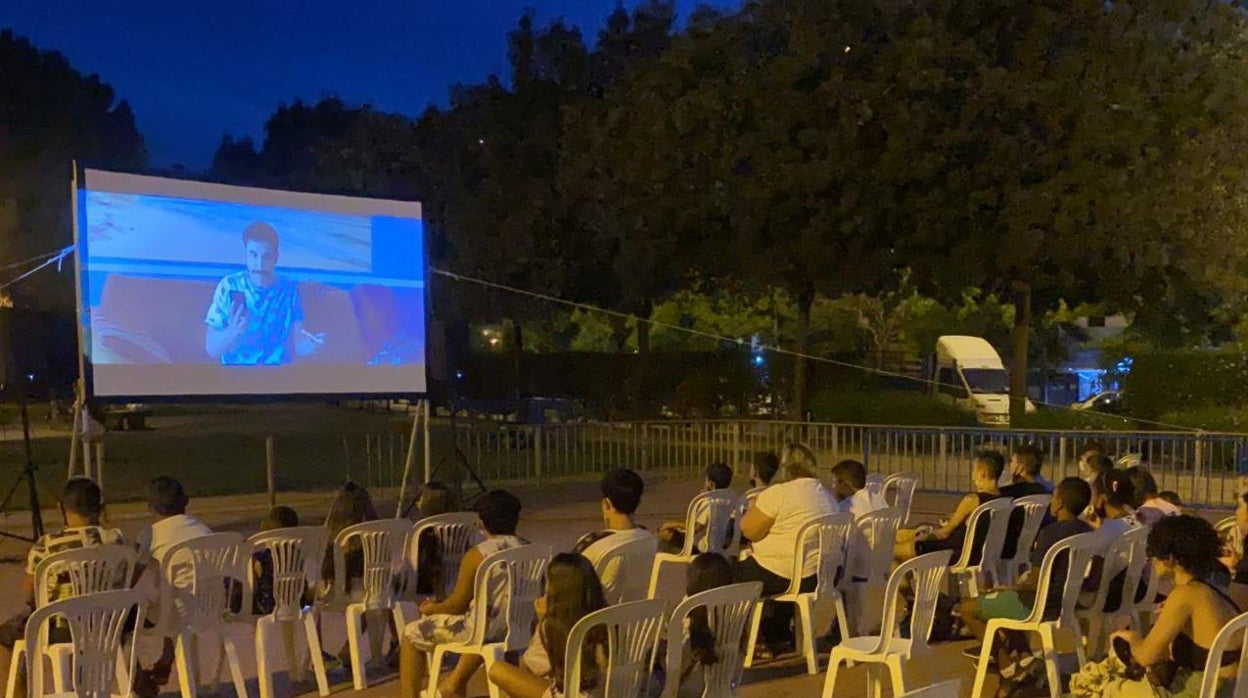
[[968, 372]]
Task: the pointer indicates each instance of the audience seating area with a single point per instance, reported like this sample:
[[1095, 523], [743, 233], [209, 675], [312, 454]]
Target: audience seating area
[[640, 639]]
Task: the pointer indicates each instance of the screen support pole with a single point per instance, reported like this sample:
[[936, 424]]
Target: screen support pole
[[420, 425], [80, 418]]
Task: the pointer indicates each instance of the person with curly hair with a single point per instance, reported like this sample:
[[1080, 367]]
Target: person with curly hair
[[1172, 655]]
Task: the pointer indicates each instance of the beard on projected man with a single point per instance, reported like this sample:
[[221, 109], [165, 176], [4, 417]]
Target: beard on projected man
[[256, 317]]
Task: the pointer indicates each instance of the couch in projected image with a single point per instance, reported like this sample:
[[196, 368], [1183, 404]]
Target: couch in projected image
[[161, 321]]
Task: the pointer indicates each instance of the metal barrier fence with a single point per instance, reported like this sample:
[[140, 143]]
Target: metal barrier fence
[[1201, 467]]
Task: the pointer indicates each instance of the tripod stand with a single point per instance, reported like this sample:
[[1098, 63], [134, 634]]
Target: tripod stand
[[459, 459], [28, 476]]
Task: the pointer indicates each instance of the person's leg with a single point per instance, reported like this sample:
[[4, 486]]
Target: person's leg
[[412, 663], [518, 682], [777, 619], [968, 611], [456, 684]]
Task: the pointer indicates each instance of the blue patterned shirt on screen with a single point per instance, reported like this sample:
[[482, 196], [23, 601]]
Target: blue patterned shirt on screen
[[272, 312]]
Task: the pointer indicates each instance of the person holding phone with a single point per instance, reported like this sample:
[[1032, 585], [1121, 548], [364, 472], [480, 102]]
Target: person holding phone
[[256, 317]]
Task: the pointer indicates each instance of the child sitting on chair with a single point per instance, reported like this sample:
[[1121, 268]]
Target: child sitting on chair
[[672, 533], [572, 592], [451, 620]]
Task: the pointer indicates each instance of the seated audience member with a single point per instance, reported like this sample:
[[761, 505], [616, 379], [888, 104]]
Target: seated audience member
[[1149, 506], [572, 592], [452, 620], [772, 524], [1184, 550], [351, 505], [849, 486], [1105, 467], [707, 571], [621, 495], [1173, 498], [764, 468], [263, 602], [1025, 465], [168, 500], [1069, 499], [434, 500], [672, 533], [1233, 558], [985, 473], [1111, 519], [81, 505], [1093, 462]]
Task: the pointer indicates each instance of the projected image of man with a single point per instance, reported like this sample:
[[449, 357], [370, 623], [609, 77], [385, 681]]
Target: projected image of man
[[256, 317]]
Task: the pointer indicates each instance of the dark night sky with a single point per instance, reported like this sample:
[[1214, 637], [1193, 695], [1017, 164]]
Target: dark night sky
[[196, 69]]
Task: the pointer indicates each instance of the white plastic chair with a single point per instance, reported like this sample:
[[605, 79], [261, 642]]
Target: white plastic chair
[[1228, 531], [624, 569], [995, 515], [867, 571], [747, 500], [716, 509], [875, 486], [632, 633], [97, 622], [89, 571], [944, 689], [1080, 550], [825, 538], [455, 533], [522, 571], [889, 648], [1226, 641], [1127, 553], [1033, 508], [901, 486], [383, 546], [297, 555], [728, 609], [202, 607]]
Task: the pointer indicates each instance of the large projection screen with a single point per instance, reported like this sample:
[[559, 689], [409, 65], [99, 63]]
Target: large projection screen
[[192, 289]]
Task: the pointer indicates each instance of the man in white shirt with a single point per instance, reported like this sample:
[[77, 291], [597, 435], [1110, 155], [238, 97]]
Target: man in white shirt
[[166, 499], [621, 495], [773, 523], [849, 486]]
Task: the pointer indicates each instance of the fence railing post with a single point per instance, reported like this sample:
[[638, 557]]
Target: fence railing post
[[943, 441], [537, 452], [736, 445], [269, 468]]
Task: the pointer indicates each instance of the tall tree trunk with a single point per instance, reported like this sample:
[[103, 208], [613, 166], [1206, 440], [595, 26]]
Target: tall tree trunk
[[643, 327], [643, 380], [805, 299], [517, 359], [1019, 338]]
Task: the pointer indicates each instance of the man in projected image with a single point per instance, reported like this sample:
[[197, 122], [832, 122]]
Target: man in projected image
[[256, 317]]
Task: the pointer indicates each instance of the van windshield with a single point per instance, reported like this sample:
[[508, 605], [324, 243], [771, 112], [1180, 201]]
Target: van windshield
[[991, 381]]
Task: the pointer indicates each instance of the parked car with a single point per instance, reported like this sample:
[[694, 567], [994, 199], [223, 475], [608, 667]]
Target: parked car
[[1105, 401]]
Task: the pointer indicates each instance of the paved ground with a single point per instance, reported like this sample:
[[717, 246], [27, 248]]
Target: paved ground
[[555, 514]]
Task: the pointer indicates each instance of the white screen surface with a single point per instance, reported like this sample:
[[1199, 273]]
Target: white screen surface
[[195, 289]]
